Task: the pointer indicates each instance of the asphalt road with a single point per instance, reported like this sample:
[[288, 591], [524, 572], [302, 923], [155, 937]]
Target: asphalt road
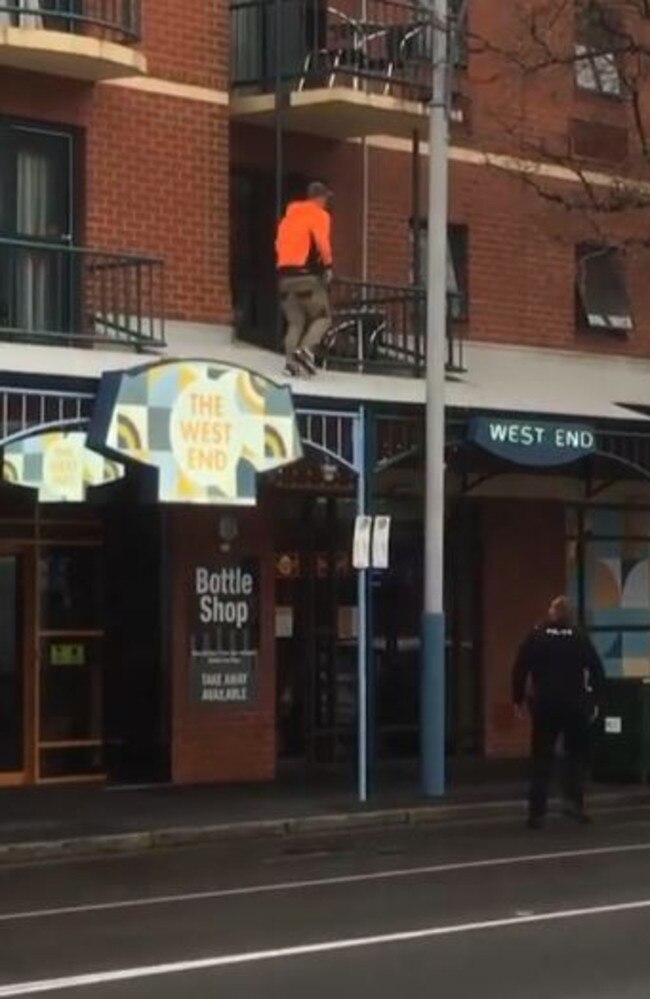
[[487, 910]]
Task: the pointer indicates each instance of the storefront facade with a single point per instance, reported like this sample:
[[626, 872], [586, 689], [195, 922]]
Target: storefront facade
[[150, 640]]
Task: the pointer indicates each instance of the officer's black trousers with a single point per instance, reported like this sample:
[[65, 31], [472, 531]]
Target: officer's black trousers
[[572, 726]]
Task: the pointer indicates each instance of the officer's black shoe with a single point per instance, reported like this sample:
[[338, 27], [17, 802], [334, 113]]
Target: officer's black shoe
[[535, 822]]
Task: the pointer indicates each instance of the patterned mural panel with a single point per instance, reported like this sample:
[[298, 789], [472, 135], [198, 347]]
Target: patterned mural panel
[[616, 580]]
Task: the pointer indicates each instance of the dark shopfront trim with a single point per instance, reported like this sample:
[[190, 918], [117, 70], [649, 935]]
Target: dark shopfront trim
[[621, 447]]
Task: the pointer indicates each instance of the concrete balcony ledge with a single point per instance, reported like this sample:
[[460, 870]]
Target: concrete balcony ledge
[[60, 53], [86, 40], [340, 112]]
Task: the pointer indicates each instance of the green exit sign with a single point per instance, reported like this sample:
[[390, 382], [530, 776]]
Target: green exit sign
[[68, 654]]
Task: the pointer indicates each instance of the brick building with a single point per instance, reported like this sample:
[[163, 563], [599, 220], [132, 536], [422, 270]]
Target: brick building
[[144, 158]]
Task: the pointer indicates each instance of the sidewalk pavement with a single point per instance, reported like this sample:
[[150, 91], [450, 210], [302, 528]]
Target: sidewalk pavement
[[57, 822]]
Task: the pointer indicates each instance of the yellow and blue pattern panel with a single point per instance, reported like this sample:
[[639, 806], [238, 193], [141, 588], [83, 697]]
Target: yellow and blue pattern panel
[[57, 464], [207, 428]]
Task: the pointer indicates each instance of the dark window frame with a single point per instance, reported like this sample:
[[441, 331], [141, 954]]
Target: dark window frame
[[457, 266], [600, 276], [597, 68]]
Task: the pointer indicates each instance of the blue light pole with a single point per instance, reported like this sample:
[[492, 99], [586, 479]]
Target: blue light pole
[[432, 695]]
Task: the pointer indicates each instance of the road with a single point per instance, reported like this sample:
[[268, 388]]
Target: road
[[465, 910]]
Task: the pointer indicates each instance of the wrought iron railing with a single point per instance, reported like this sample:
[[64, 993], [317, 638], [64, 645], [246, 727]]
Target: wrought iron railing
[[113, 20], [383, 46], [375, 327], [55, 293]]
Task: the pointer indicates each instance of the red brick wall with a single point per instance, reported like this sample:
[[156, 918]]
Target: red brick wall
[[157, 181], [209, 743], [155, 168], [524, 567], [187, 42], [522, 240]]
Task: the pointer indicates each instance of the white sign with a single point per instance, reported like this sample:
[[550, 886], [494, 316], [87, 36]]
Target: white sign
[[613, 726], [361, 543], [381, 543]]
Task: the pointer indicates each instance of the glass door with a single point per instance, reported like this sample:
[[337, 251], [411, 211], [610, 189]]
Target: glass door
[[13, 685], [71, 688], [36, 274]]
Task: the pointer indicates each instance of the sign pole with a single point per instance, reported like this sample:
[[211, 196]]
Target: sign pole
[[362, 595], [432, 697]]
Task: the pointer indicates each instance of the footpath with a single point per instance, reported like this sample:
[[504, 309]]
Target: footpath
[[56, 822]]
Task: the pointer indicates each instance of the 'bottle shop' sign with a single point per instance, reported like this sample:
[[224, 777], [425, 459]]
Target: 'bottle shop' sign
[[533, 442]]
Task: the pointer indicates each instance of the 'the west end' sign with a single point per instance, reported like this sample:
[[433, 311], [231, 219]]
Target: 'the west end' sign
[[533, 442]]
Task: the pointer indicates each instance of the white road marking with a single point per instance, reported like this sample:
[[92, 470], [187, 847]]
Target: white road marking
[[325, 882], [306, 950]]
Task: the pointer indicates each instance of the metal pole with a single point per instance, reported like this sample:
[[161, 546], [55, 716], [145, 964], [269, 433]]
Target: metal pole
[[362, 617], [416, 266], [432, 726], [278, 11]]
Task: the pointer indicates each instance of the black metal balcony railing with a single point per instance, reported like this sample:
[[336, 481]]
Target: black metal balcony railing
[[53, 293], [113, 20], [381, 46], [375, 328]]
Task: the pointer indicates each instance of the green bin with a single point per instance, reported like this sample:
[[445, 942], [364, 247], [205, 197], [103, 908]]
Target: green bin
[[621, 749]]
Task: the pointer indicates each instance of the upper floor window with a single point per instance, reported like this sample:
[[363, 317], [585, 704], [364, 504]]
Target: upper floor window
[[597, 66], [602, 298], [457, 267], [459, 41]]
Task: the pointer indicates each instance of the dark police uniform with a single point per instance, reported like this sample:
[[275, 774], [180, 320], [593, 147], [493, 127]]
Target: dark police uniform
[[559, 673]]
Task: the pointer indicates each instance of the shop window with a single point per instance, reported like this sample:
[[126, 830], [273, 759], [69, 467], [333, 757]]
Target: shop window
[[71, 639], [71, 588], [457, 267], [597, 68], [602, 298]]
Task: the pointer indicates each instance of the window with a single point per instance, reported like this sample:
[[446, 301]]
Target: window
[[457, 267], [594, 140], [597, 71], [458, 39], [602, 298], [596, 63]]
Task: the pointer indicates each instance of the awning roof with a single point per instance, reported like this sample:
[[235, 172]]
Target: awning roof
[[535, 380], [497, 377]]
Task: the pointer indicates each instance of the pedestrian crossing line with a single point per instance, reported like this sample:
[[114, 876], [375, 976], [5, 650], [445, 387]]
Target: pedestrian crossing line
[[279, 887], [308, 950]]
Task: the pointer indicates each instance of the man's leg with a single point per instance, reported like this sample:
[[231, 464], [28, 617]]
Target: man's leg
[[576, 745], [319, 317], [544, 737], [294, 312]]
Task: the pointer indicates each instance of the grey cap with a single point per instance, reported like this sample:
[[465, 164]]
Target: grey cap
[[318, 190]]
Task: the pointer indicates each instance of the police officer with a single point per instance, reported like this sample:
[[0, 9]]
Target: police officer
[[559, 673]]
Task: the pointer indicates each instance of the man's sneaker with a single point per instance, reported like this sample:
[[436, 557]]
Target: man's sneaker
[[291, 368], [577, 815], [306, 359]]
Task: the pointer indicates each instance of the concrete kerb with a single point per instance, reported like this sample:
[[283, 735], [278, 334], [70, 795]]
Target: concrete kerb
[[417, 815]]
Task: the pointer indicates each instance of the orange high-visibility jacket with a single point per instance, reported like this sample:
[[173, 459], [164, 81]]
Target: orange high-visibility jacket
[[303, 241]]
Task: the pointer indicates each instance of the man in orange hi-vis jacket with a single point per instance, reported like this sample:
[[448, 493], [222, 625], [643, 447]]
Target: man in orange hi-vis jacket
[[304, 263]]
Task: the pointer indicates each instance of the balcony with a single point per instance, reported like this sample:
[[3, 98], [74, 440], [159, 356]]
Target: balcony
[[88, 40], [80, 297], [358, 70], [376, 328]]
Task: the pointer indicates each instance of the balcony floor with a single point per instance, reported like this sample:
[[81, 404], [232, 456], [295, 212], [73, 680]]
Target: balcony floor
[[335, 112], [59, 53]]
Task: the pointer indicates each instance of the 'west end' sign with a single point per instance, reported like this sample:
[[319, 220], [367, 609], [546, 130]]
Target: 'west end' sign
[[533, 442]]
